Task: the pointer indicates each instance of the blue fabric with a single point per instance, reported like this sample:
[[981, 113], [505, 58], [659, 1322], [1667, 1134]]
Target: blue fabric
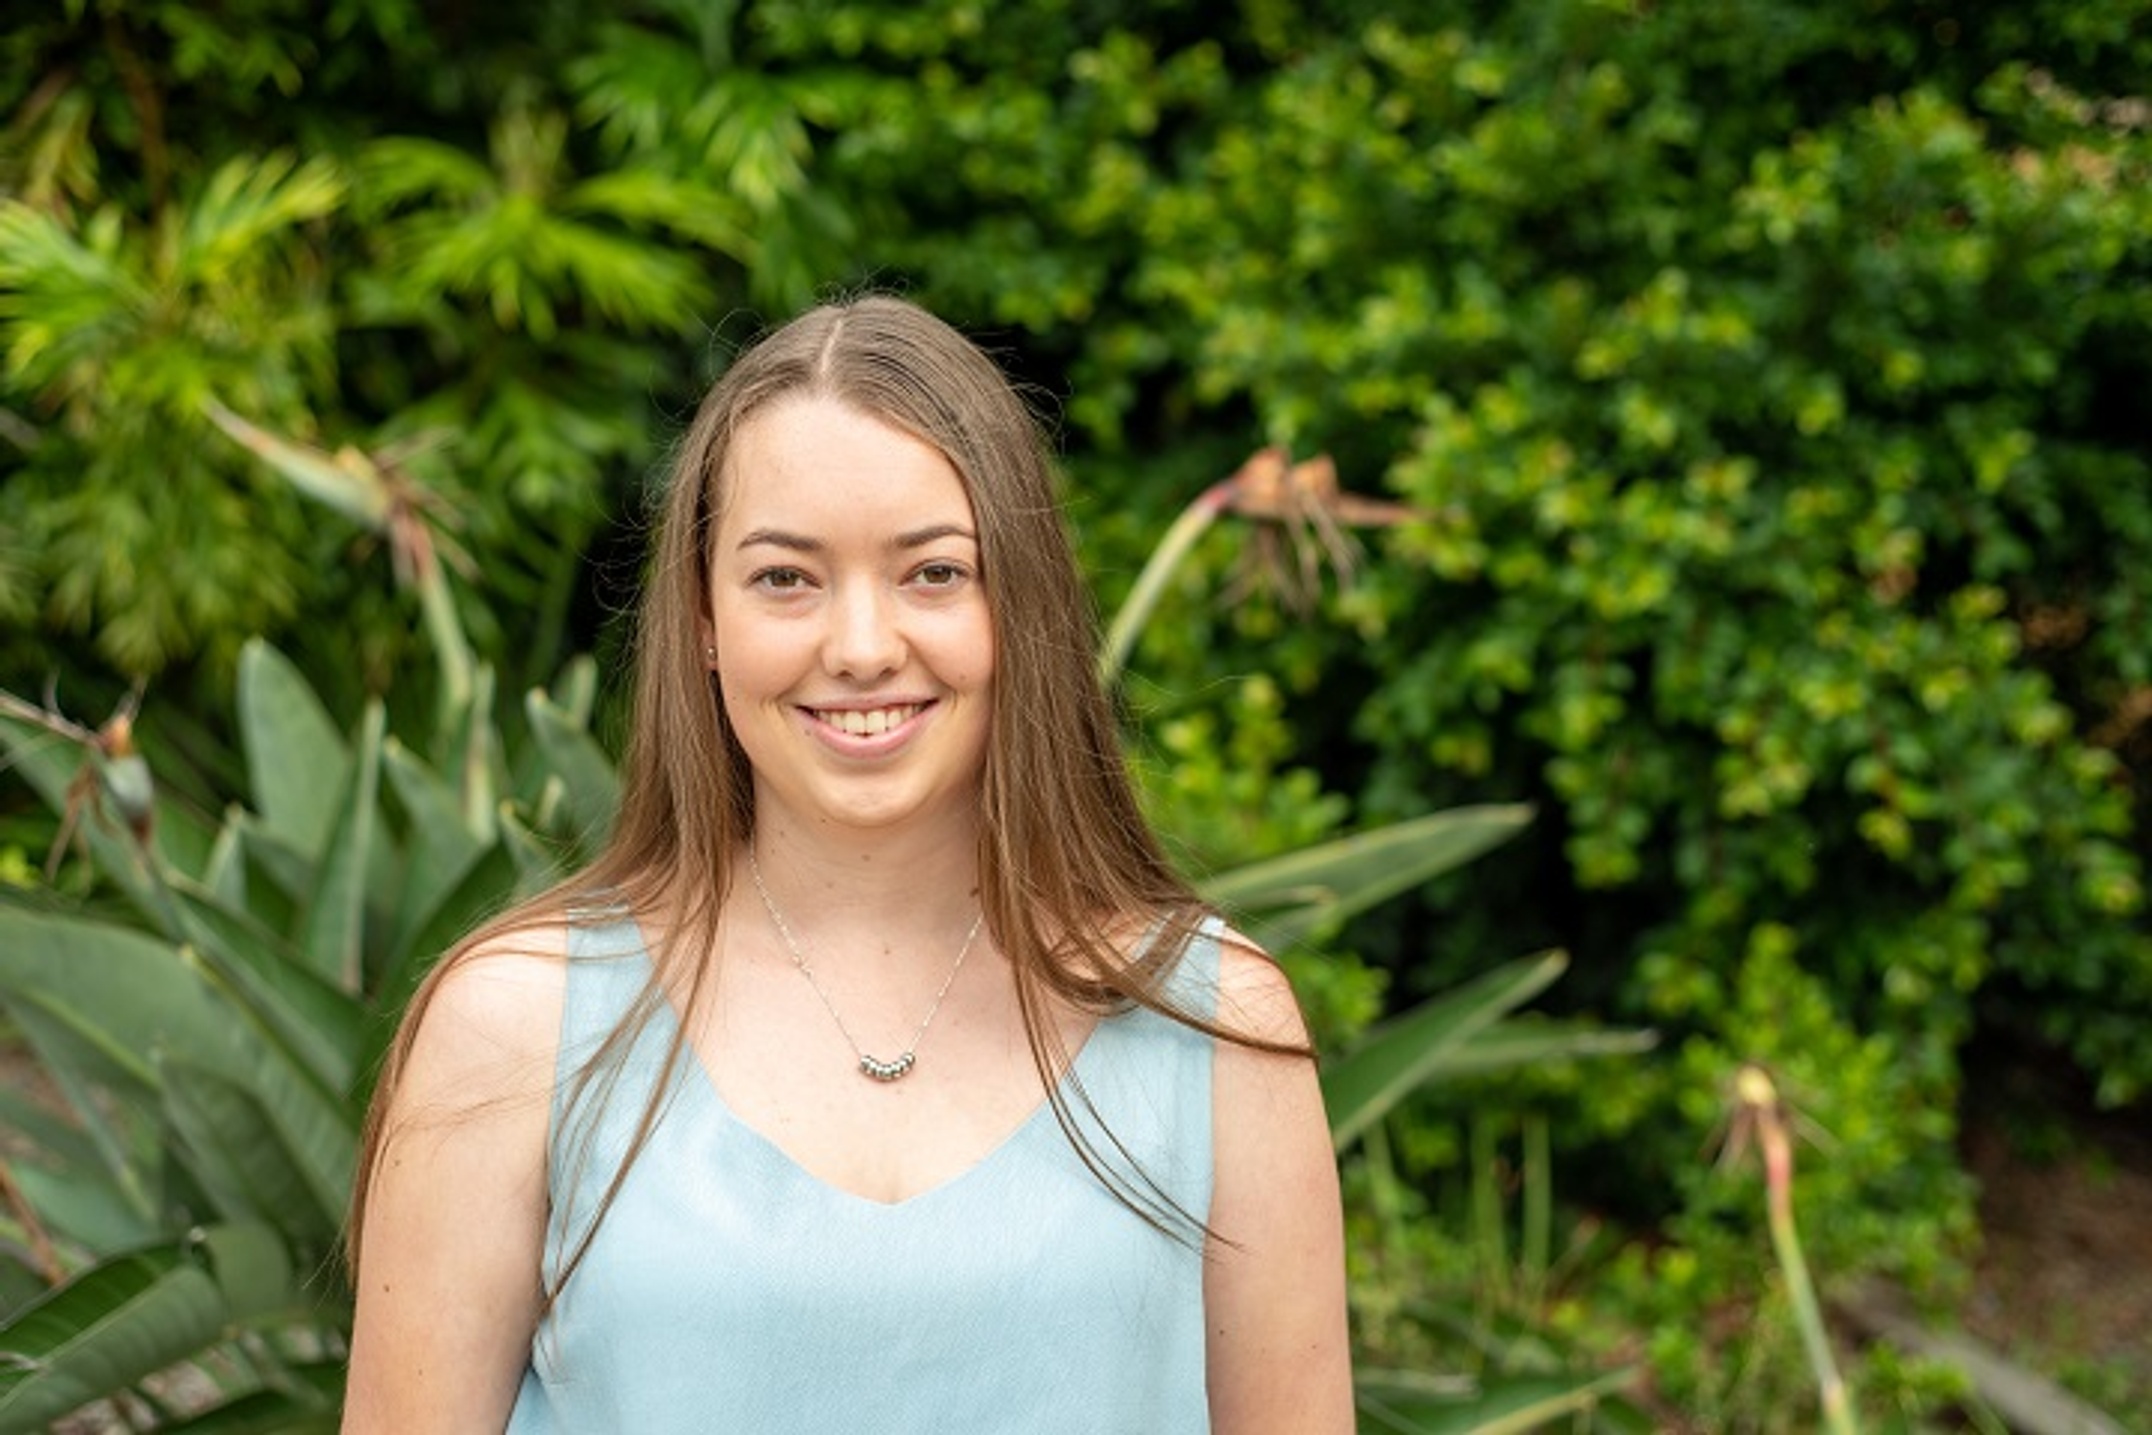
[[729, 1290]]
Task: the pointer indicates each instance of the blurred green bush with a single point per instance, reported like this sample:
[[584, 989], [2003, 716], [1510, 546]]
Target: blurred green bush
[[1767, 378]]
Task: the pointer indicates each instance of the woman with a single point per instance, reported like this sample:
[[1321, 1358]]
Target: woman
[[880, 1074]]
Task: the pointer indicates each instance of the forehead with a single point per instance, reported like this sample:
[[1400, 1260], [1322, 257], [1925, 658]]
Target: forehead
[[815, 461]]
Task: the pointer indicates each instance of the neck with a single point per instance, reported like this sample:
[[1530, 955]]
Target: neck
[[905, 890]]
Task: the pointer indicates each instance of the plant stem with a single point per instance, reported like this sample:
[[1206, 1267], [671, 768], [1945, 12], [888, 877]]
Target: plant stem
[[451, 650], [1538, 1204], [1490, 1236], [1151, 582], [1761, 1098]]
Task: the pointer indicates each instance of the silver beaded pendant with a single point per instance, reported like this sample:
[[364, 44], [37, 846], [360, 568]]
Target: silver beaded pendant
[[881, 1070]]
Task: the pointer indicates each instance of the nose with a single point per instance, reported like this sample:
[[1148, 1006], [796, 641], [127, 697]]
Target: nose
[[864, 639]]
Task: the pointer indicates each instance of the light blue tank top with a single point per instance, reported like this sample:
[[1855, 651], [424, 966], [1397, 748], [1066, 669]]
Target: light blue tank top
[[728, 1290]]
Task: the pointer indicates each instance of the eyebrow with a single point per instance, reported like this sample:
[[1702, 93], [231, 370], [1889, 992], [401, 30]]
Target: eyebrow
[[911, 538]]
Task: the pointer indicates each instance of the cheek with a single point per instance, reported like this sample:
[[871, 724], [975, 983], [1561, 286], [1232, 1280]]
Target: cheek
[[975, 655], [752, 672], [975, 671]]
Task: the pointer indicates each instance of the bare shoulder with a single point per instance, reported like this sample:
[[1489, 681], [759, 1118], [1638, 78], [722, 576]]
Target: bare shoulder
[[1254, 996], [453, 1205], [503, 975], [1274, 1289], [488, 1024]]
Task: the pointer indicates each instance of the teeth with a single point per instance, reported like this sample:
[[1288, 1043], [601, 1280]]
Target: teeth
[[869, 724]]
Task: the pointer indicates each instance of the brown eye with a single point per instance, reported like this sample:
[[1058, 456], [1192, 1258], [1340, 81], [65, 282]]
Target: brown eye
[[941, 575]]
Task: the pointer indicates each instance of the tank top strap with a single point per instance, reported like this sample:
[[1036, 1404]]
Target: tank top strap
[[608, 969], [1192, 985], [1142, 1101], [598, 1100]]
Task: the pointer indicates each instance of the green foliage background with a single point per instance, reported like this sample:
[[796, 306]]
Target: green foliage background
[[1768, 379]]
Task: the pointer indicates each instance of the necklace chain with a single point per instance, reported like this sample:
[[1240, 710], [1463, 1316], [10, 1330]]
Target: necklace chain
[[872, 1067]]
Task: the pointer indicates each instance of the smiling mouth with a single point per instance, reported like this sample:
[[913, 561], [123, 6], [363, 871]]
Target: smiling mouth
[[868, 722]]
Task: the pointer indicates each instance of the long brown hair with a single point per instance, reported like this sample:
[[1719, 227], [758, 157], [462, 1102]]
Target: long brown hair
[[1067, 866]]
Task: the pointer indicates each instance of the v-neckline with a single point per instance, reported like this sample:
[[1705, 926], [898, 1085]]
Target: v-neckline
[[702, 1080]]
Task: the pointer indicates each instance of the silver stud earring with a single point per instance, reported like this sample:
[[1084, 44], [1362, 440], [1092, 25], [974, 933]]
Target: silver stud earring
[[709, 652]]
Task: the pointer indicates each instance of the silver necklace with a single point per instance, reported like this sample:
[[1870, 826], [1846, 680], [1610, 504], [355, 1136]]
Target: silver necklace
[[872, 1067]]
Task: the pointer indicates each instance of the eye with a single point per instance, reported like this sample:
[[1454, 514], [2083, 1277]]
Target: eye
[[778, 580], [940, 574]]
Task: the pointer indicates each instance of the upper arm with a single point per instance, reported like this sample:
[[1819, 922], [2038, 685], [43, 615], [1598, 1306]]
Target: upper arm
[[1274, 1283], [449, 1276]]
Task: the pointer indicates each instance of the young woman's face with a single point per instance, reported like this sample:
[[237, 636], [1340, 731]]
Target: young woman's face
[[855, 652]]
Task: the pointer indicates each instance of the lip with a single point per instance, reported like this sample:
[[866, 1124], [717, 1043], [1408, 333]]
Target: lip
[[875, 744]]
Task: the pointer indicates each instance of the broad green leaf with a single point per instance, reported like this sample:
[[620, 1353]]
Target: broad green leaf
[[537, 866], [133, 1315], [484, 890], [317, 1023], [87, 1079], [1531, 1041], [575, 691], [438, 850], [469, 752], [593, 789], [225, 874], [307, 1403], [320, 1134], [252, 1267], [1284, 899], [289, 870], [1408, 1403], [19, 1283], [84, 1205], [332, 932], [234, 1151], [32, 1121], [1397, 1056], [135, 1000], [105, 1329], [127, 995], [297, 761]]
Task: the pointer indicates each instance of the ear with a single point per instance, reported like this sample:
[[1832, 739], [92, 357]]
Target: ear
[[706, 639]]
